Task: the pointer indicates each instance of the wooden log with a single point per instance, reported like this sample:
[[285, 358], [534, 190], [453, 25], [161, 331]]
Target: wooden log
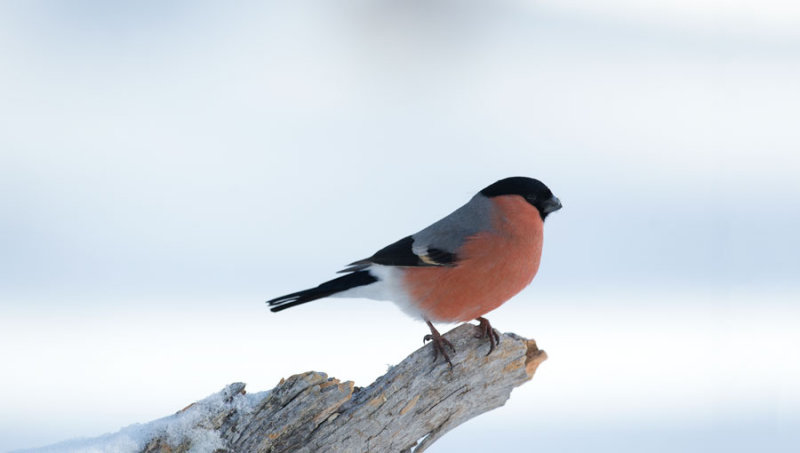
[[407, 409]]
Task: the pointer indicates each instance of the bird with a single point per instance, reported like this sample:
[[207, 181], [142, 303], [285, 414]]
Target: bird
[[457, 269]]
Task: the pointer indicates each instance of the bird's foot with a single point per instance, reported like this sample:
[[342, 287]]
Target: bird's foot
[[439, 343], [485, 329]]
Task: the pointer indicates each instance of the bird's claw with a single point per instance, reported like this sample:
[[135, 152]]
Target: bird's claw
[[485, 329], [439, 343]]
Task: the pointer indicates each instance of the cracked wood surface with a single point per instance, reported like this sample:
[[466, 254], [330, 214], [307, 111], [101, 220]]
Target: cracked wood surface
[[407, 409]]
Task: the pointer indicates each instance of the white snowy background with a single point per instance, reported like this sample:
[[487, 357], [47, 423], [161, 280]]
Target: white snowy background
[[165, 167]]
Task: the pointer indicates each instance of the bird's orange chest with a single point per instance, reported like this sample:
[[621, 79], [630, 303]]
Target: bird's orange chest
[[493, 266]]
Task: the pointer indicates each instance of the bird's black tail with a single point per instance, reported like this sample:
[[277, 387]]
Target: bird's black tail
[[337, 285]]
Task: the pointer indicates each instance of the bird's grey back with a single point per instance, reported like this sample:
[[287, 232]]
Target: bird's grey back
[[449, 233]]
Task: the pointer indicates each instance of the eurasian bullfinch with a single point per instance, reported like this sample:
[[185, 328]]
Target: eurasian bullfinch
[[457, 269]]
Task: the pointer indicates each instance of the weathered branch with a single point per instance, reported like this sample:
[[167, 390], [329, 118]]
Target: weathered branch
[[407, 409]]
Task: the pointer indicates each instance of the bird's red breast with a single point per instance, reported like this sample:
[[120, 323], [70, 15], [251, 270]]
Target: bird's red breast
[[493, 266]]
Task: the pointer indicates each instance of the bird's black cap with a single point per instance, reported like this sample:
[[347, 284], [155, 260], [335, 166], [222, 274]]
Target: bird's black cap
[[533, 190]]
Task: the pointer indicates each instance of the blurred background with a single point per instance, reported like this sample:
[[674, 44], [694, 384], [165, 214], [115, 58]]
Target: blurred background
[[166, 167]]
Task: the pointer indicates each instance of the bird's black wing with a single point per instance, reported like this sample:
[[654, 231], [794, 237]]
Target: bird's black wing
[[401, 253]]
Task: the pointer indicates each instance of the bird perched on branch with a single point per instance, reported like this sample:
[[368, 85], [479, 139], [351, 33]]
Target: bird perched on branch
[[459, 268]]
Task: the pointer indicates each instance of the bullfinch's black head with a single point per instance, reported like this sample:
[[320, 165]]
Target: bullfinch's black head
[[532, 190]]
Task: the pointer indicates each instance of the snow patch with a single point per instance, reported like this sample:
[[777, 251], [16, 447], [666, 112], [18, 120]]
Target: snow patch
[[188, 425]]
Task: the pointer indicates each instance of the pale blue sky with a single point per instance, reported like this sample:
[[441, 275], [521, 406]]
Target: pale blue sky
[[194, 158]]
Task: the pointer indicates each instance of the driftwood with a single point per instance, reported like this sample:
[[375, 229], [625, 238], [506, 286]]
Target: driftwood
[[407, 409]]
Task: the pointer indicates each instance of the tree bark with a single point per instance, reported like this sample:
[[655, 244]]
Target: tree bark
[[407, 409]]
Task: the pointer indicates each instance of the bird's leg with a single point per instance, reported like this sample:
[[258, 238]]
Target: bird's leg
[[485, 329], [439, 343]]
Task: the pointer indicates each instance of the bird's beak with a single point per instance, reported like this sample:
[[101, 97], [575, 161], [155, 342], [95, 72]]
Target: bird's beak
[[551, 205]]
